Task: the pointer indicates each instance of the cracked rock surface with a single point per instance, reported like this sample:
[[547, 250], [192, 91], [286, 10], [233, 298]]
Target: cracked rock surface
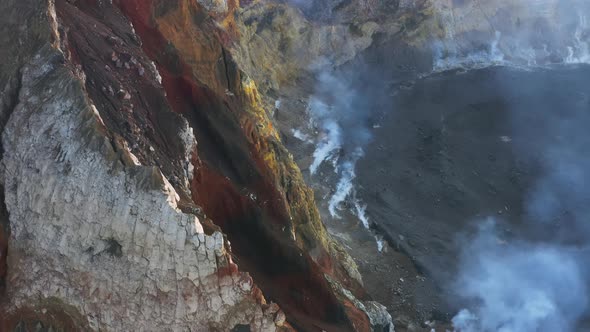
[[104, 188], [105, 237], [97, 240]]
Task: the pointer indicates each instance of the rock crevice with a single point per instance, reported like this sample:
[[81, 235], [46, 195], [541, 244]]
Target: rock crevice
[[110, 202]]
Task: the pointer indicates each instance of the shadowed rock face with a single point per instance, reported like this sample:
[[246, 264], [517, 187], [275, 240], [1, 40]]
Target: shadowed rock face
[[248, 186], [114, 213]]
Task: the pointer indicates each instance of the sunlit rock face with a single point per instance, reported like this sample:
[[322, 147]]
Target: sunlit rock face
[[90, 229], [277, 42], [115, 218], [97, 237]]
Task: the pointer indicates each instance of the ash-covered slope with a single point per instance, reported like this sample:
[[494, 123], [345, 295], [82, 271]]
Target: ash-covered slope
[[115, 218]]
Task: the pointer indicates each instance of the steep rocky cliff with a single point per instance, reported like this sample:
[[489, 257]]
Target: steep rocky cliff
[[145, 181], [144, 185]]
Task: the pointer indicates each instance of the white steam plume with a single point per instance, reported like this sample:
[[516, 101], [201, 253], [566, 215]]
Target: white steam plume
[[331, 138], [549, 32], [519, 286], [538, 284], [345, 188], [341, 108]]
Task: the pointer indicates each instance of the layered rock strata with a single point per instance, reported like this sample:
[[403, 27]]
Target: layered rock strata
[[115, 218]]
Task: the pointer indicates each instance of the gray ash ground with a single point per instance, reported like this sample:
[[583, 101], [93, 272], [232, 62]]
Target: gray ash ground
[[453, 148]]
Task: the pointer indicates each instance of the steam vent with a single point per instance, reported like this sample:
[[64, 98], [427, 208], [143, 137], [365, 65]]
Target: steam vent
[[295, 165]]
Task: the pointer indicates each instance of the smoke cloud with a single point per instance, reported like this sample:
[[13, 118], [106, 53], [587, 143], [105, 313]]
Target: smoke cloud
[[535, 279], [519, 286], [517, 33], [343, 107], [336, 107]]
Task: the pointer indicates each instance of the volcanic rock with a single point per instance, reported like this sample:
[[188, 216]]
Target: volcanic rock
[[95, 235]]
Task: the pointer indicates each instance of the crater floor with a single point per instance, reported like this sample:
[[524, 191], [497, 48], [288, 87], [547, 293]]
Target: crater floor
[[450, 150], [455, 148]]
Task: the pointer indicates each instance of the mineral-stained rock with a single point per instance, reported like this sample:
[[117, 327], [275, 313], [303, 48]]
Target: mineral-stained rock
[[259, 191], [277, 42], [106, 190], [105, 239]]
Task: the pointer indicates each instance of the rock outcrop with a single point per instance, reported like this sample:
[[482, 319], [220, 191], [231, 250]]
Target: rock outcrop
[[138, 164], [475, 32], [280, 42], [98, 240], [94, 229]]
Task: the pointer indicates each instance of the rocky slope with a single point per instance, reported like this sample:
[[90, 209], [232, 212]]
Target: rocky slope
[[135, 150]]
